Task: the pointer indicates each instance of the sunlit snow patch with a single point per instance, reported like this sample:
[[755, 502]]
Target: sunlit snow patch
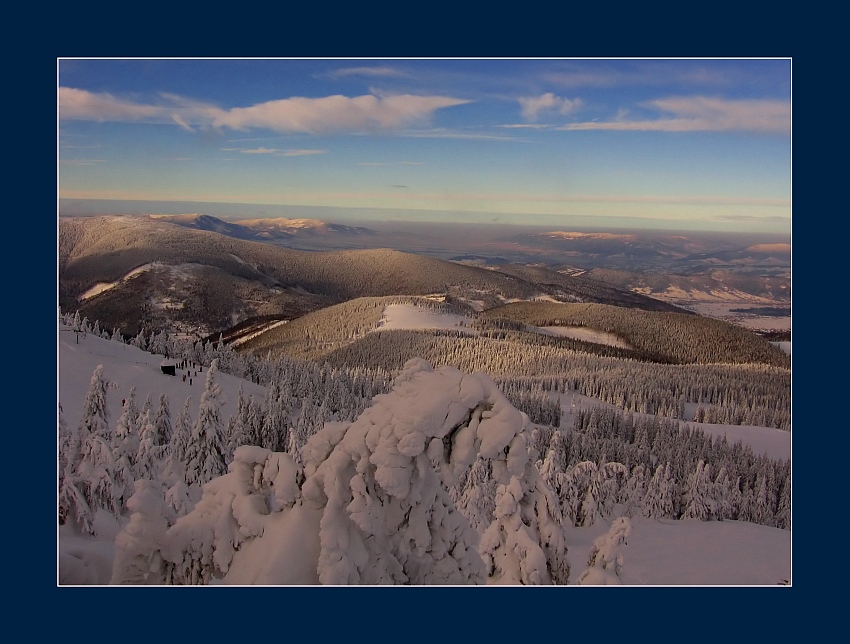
[[100, 287], [409, 316], [583, 333]]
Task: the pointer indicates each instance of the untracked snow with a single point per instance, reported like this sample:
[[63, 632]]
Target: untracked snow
[[409, 316]]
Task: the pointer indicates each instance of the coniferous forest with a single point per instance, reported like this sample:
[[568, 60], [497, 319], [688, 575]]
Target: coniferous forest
[[634, 456]]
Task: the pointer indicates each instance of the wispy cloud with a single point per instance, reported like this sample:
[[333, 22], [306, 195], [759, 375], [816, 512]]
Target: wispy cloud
[[767, 218], [81, 161], [533, 106], [439, 133], [367, 113], [525, 126], [589, 74], [703, 114], [279, 152], [382, 163], [301, 153], [382, 72]]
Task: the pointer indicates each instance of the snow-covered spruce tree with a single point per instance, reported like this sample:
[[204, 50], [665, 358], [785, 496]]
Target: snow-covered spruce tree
[[722, 495], [477, 498], [606, 556], [140, 341], [150, 455], [698, 499], [375, 496], [235, 432], [253, 423], [260, 491], [783, 511], [275, 428], [178, 496], [162, 423], [634, 491], [205, 453], [596, 487], [94, 471], [653, 501], [137, 546], [72, 489], [308, 422], [125, 447]]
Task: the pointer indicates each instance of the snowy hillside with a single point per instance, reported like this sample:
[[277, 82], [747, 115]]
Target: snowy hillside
[[396, 495]]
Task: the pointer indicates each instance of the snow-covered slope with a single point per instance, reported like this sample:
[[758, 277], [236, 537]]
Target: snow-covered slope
[[392, 463]]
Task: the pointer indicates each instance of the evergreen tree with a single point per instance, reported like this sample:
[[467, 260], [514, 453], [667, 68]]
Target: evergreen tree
[[635, 489], [658, 502], [477, 500], [275, 428], [137, 559], [163, 421], [698, 501], [205, 457], [253, 423], [722, 495], [235, 426], [71, 494], [150, 453], [178, 447], [93, 480], [783, 512]]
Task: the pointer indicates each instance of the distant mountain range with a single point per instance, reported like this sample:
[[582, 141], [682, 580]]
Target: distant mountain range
[[681, 254], [197, 274], [264, 229]]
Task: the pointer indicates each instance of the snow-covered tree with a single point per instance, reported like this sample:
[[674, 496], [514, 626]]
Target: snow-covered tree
[[178, 446], [658, 501], [72, 489], [374, 496], [634, 491], [137, 546], [275, 428], [150, 454], [205, 453], [477, 498], [235, 431], [163, 421], [93, 478], [606, 556], [698, 500]]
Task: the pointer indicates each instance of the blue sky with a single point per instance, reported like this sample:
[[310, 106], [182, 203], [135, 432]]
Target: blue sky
[[689, 143]]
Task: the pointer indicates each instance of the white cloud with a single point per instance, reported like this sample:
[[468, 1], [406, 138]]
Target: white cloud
[[525, 126], [703, 114], [301, 153], [297, 114], [261, 150], [532, 106], [382, 72], [336, 113]]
